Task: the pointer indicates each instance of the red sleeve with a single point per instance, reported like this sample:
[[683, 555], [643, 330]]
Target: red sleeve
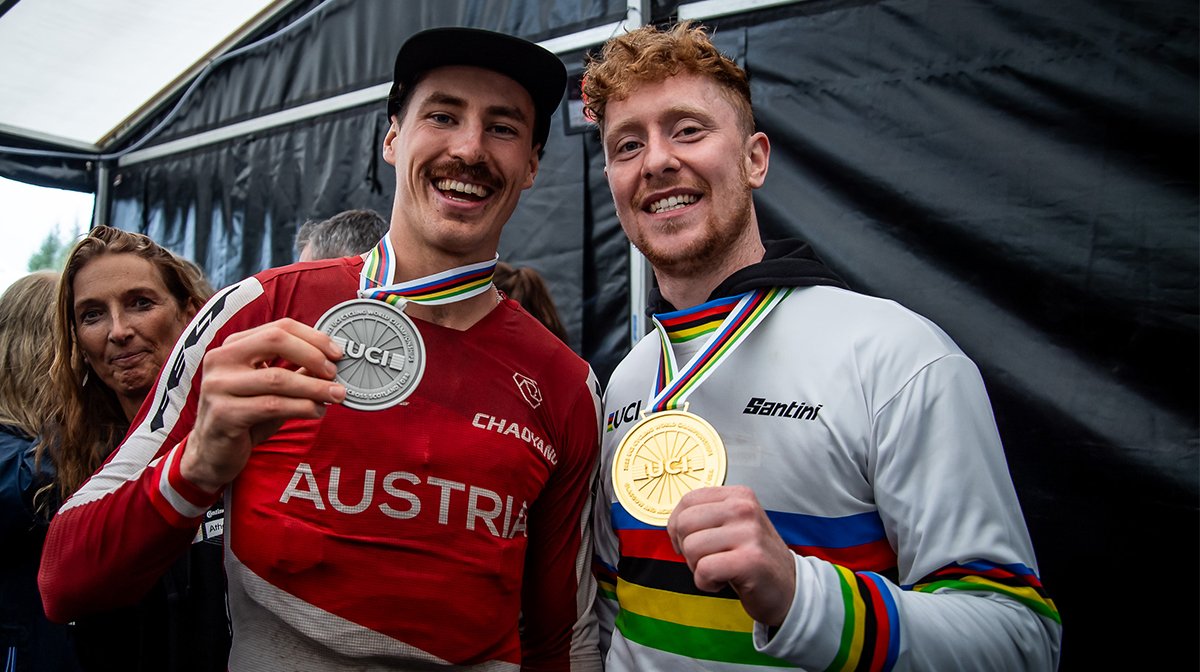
[[116, 536], [108, 553], [559, 630]]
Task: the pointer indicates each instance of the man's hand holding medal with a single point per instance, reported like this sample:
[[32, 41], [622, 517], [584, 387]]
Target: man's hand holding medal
[[727, 539], [244, 400]]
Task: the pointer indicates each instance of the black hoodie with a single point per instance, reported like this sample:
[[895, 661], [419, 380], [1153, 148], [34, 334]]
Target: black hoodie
[[786, 263]]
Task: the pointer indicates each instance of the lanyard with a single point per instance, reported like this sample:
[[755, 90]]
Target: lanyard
[[672, 385], [456, 284]]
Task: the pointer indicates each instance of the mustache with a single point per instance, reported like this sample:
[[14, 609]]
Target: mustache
[[459, 169]]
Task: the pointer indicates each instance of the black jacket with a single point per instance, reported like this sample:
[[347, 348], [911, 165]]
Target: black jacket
[[27, 640], [786, 263], [181, 625]]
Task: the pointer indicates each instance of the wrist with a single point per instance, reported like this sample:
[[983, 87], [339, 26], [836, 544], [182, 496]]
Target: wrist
[[181, 502], [197, 473]]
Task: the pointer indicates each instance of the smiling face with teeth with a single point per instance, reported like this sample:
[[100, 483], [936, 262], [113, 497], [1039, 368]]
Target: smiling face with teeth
[[462, 150], [681, 166]]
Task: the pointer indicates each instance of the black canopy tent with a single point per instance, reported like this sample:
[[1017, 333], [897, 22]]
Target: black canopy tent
[[1023, 173]]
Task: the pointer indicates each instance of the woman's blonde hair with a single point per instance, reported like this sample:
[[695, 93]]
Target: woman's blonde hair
[[91, 421], [26, 349]]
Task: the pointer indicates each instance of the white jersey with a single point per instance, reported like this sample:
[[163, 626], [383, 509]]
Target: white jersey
[[868, 437]]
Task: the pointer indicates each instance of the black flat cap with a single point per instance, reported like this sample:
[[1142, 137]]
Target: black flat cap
[[537, 69]]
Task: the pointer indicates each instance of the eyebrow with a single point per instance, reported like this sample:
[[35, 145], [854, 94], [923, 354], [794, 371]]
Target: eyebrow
[[673, 113], [509, 111], [131, 290]]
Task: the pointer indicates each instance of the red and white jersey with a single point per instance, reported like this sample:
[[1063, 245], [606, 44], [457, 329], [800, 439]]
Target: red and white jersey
[[414, 536]]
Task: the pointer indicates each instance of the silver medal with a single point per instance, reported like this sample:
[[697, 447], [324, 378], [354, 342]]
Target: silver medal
[[384, 355]]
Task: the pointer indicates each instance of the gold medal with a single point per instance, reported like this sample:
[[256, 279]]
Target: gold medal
[[663, 457]]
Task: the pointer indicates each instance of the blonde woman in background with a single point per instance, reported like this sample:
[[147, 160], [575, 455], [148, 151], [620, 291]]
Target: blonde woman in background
[[27, 640]]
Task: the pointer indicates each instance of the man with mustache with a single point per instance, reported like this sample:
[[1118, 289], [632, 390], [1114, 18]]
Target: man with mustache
[[407, 484], [818, 482]]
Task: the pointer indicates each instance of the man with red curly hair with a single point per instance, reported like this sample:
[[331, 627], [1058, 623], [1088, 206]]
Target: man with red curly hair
[[794, 474]]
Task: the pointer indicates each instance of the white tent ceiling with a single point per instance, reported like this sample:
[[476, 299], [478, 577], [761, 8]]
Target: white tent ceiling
[[79, 72]]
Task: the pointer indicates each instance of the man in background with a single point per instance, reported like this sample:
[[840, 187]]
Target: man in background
[[345, 234], [303, 236]]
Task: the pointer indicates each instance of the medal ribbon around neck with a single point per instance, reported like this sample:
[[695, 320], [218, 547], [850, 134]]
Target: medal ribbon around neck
[[456, 284], [673, 385], [671, 452]]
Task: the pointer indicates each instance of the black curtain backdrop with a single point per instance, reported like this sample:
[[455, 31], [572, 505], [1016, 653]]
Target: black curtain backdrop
[[1022, 172]]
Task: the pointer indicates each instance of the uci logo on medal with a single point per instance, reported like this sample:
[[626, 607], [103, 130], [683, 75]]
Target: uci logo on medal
[[383, 353]]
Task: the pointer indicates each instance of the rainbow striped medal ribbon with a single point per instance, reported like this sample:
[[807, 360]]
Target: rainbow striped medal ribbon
[[672, 451], [384, 356]]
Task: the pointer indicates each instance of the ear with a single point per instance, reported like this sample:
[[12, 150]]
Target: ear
[[389, 153], [190, 310], [533, 169], [758, 155]]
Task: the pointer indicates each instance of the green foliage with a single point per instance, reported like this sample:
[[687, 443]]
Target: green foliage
[[52, 255]]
